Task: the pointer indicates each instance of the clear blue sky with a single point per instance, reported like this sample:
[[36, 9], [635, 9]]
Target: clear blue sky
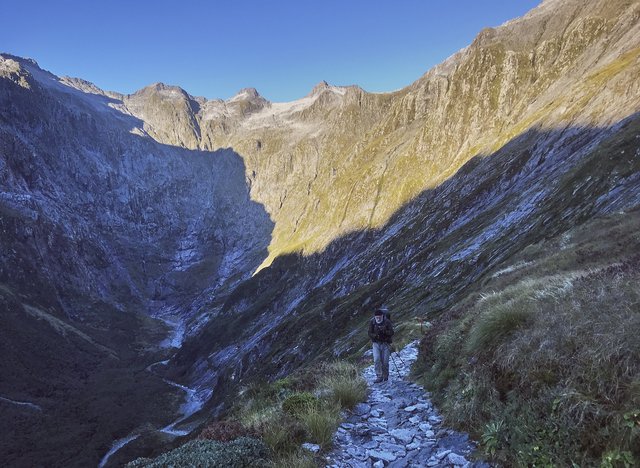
[[214, 48]]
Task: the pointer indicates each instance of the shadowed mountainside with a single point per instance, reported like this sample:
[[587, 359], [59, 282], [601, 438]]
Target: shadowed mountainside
[[431, 255], [537, 186], [102, 230]]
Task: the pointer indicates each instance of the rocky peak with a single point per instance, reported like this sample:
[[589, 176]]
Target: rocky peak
[[162, 89], [319, 88], [246, 94], [4, 57], [246, 102]]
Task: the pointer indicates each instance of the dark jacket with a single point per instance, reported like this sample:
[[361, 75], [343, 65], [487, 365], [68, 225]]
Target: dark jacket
[[382, 332]]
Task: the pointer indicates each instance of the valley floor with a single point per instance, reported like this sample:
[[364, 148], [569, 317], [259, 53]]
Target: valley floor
[[398, 426]]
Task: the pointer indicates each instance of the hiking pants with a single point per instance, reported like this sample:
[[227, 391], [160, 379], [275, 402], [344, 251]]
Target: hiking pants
[[381, 353]]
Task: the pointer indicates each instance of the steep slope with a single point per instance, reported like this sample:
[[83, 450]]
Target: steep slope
[[543, 360], [566, 157], [101, 229]]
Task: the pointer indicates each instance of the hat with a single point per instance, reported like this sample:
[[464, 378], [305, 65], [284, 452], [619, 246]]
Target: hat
[[379, 312]]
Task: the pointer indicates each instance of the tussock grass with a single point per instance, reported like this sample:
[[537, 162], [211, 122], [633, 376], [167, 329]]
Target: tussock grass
[[496, 324], [298, 459], [321, 423], [283, 436], [258, 417], [347, 391], [344, 384]]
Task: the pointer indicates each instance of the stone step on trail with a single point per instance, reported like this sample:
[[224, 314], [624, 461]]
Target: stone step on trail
[[398, 426]]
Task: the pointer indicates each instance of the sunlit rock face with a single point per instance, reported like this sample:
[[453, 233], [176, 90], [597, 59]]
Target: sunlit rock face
[[262, 233], [342, 159]]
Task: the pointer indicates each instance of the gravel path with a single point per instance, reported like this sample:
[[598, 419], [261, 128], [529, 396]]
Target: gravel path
[[398, 426]]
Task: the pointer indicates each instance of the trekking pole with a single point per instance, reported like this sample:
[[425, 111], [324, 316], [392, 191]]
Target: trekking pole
[[394, 363], [398, 354], [395, 350]]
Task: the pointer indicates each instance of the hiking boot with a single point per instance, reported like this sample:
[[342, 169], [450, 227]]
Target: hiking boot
[[385, 379], [378, 380]]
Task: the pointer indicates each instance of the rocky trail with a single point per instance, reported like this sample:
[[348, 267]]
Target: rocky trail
[[398, 426]]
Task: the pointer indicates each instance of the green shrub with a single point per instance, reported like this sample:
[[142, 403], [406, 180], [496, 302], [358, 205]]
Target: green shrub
[[617, 459], [288, 412], [298, 402], [494, 437], [242, 452]]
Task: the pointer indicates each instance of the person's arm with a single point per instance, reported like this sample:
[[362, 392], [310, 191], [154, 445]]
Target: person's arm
[[372, 333]]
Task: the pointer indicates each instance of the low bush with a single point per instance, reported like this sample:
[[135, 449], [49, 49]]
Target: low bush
[[304, 407], [546, 369], [225, 431], [242, 452]]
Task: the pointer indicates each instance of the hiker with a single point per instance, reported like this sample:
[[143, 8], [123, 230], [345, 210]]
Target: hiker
[[380, 332]]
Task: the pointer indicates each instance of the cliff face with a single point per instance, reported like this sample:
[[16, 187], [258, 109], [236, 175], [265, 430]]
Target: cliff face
[[116, 209]]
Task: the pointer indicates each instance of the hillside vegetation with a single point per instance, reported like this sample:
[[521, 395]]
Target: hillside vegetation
[[543, 360]]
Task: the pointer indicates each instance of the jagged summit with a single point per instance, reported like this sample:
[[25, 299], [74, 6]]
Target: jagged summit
[[320, 87], [162, 88], [324, 86], [246, 94], [16, 58]]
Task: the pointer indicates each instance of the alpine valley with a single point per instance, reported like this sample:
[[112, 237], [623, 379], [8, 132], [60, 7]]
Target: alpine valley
[[160, 252]]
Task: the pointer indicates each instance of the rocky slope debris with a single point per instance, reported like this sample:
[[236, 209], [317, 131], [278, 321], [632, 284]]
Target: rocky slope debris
[[398, 426]]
